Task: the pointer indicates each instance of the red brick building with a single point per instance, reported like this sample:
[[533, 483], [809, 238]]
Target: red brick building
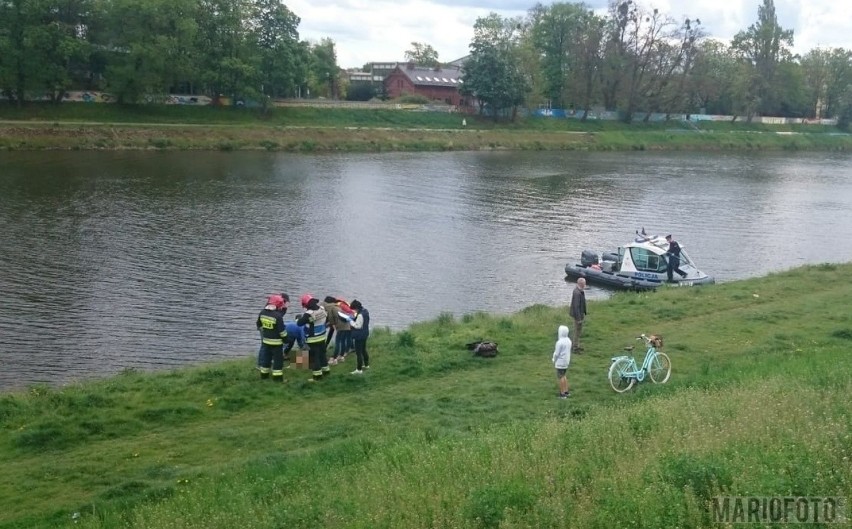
[[439, 83]]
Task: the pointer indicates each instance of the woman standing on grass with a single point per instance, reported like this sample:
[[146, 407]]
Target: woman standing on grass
[[360, 333]]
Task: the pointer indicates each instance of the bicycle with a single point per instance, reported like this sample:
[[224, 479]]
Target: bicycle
[[624, 373]]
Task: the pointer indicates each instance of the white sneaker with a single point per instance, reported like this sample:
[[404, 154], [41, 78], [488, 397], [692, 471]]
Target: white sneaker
[[332, 362], [356, 372]]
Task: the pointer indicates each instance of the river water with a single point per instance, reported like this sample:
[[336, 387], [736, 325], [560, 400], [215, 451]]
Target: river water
[[120, 260]]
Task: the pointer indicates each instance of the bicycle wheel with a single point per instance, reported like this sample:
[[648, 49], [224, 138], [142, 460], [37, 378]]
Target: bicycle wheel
[[619, 381], [660, 369]]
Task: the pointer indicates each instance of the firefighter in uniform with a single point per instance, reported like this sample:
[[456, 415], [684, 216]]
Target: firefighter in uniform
[[270, 323], [314, 323]]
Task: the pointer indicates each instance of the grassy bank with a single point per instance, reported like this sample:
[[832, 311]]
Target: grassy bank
[[758, 404], [300, 129]]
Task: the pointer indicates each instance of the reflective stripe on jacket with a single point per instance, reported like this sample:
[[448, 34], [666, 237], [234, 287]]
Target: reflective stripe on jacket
[[270, 323], [316, 328]]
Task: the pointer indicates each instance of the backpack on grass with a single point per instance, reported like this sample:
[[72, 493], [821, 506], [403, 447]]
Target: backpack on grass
[[483, 349]]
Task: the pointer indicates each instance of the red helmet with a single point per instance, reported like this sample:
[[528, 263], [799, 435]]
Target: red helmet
[[276, 300], [305, 299]]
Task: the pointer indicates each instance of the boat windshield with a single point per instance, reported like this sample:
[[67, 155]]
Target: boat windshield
[[684, 257], [647, 261]]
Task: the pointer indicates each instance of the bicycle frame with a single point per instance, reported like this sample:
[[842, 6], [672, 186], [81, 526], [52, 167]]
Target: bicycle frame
[[638, 372], [624, 372]]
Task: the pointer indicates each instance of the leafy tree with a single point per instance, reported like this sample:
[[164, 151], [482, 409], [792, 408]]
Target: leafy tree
[[282, 59], [551, 28], [615, 50], [17, 62], [677, 54], [838, 98], [645, 46], [493, 72], [710, 85], [324, 71], [790, 91], [422, 54], [567, 38], [828, 78], [41, 44], [224, 44], [60, 44], [761, 48], [150, 45], [816, 71]]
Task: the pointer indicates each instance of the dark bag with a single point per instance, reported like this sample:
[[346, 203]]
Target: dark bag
[[484, 349]]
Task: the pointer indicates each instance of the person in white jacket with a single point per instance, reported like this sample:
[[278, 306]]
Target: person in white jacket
[[561, 360]]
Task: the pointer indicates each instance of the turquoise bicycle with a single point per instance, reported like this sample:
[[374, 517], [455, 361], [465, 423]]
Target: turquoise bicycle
[[624, 373]]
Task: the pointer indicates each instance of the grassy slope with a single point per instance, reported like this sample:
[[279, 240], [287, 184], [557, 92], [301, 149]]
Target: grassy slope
[[83, 126], [430, 437]]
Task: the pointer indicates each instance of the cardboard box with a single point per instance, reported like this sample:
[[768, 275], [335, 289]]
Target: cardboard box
[[301, 360]]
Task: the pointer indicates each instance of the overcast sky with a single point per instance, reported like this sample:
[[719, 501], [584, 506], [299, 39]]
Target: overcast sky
[[382, 30]]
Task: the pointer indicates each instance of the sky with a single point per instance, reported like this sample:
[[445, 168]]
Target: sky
[[382, 30]]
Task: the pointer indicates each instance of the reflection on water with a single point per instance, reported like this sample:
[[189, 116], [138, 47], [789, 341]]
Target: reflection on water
[[150, 260]]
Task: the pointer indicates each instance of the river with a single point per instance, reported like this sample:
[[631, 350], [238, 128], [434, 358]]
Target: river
[[153, 260]]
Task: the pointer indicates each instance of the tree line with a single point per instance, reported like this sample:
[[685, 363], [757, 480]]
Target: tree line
[[138, 49], [563, 55], [633, 59]]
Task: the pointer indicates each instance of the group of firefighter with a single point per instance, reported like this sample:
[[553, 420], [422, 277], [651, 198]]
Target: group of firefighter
[[347, 323]]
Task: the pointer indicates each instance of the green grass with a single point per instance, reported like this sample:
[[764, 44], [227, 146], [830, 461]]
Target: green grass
[[299, 116], [758, 404], [82, 126]]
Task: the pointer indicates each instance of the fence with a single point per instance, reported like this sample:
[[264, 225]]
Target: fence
[[657, 117]]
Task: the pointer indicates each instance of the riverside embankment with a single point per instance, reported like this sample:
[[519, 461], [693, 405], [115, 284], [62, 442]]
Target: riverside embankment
[[433, 437], [108, 127]]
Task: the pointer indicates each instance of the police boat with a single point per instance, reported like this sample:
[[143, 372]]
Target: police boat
[[638, 265]]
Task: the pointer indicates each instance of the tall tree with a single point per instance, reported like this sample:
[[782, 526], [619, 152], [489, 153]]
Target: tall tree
[[324, 71], [493, 72], [675, 59], [17, 64], [61, 46], [281, 57], [151, 45], [567, 37], [42, 43], [642, 47], [551, 28], [710, 86], [838, 98], [828, 80], [423, 55], [616, 53], [227, 64], [761, 48]]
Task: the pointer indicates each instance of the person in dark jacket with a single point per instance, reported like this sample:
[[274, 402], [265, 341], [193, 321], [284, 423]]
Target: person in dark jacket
[[360, 333], [286, 302], [270, 323], [673, 256], [578, 313]]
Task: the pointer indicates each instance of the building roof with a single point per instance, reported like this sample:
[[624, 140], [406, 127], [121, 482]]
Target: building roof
[[459, 63], [423, 76]]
